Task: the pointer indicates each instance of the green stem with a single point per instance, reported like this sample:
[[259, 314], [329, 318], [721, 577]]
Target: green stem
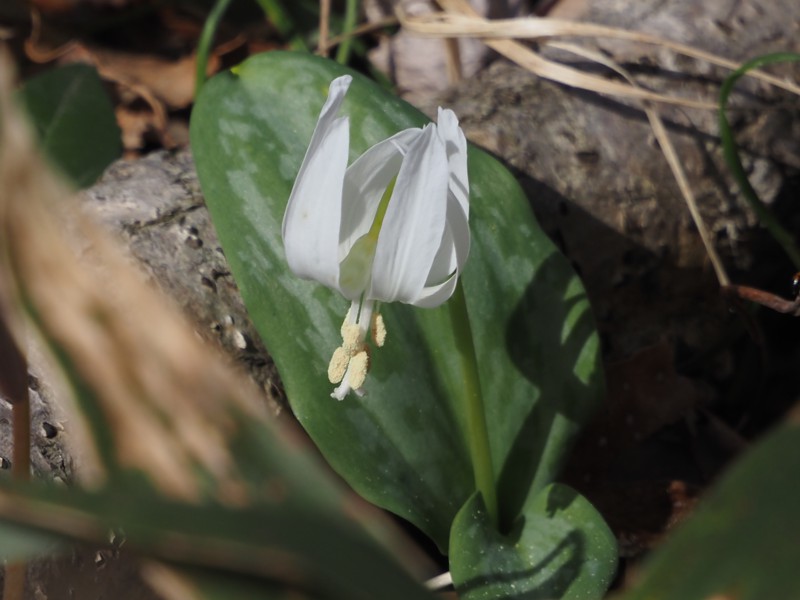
[[731, 154], [477, 434], [350, 18], [278, 16], [204, 44]]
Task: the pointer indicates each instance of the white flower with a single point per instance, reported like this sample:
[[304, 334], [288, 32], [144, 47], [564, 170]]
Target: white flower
[[393, 226]]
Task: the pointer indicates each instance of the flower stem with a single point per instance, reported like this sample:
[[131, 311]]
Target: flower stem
[[205, 42], [477, 432], [350, 18]]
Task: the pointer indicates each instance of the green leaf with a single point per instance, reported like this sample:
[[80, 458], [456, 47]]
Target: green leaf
[[75, 121], [23, 543], [215, 585], [560, 547], [278, 544], [731, 154], [741, 542], [401, 446], [278, 15]]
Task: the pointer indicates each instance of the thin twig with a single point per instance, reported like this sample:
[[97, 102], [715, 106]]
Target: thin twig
[[452, 57], [324, 27], [768, 299], [362, 29], [32, 49]]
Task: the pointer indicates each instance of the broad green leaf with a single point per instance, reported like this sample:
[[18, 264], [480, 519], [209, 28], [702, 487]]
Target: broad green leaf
[[75, 121], [742, 541], [277, 544], [216, 585], [559, 547], [23, 543], [401, 446]]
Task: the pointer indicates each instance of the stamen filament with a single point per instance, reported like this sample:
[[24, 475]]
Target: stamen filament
[[350, 362]]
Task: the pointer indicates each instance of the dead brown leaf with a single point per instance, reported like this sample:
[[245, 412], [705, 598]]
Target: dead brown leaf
[[148, 86]]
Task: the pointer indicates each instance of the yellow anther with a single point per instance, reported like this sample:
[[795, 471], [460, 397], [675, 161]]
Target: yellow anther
[[349, 318], [338, 365], [359, 366], [351, 338], [378, 329]]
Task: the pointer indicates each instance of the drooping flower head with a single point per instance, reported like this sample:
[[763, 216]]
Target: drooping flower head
[[392, 226]]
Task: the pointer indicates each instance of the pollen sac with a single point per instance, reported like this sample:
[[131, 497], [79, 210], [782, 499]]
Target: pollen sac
[[351, 338], [378, 330], [359, 367], [338, 365]]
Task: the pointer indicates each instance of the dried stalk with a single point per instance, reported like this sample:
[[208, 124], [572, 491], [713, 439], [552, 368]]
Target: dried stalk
[[461, 20]]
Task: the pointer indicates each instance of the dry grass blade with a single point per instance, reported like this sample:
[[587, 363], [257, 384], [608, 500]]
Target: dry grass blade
[[363, 29], [538, 28], [461, 20], [169, 582], [657, 125], [166, 398]]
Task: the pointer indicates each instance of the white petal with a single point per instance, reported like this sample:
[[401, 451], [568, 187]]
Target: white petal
[[365, 182], [455, 244], [449, 260], [444, 263], [458, 224], [414, 224], [431, 297], [313, 213], [456, 146]]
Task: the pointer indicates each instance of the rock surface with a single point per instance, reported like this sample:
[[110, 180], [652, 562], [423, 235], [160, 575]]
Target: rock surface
[[601, 186], [155, 207]]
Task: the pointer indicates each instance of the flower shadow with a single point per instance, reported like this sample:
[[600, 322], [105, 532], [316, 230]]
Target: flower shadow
[[551, 574]]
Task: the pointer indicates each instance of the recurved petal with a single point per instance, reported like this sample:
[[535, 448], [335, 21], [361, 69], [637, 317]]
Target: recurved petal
[[456, 147], [412, 230], [454, 247], [433, 296], [444, 263], [450, 258], [365, 182], [458, 225], [313, 214]]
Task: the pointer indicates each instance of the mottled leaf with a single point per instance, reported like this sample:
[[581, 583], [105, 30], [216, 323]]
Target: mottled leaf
[[559, 547]]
